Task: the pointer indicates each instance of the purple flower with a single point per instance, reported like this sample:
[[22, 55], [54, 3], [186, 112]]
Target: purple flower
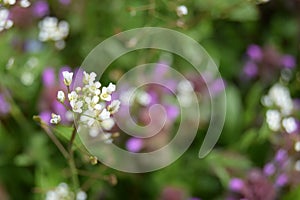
[[269, 169], [254, 52], [250, 69], [281, 155], [288, 61], [40, 8], [216, 86], [172, 112], [236, 184], [4, 106], [281, 180], [45, 116], [48, 77], [134, 145]]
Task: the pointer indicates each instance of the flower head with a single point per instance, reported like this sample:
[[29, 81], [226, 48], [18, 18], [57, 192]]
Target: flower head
[[68, 76], [55, 119], [61, 96]]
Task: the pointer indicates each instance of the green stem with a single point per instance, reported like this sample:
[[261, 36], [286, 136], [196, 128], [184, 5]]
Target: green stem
[[72, 161]]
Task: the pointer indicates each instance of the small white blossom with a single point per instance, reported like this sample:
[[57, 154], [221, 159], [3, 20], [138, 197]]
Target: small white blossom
[[9, 2], [297, 165], [111, 88], [181, 10], [55, 119], [281, 97], [105, 95], [68, 76], [114, 106], [297, 146], [81, 195], [94, 87], [92, 102], [61, 96], [77, 106], [25, 3], [51, 29], [88, 117], [73, 96], [108, 124], [289, 124], [273, 119], [5, 22], [143, 98], [104, 115], [106, 137], [60, 192], [89, 78]]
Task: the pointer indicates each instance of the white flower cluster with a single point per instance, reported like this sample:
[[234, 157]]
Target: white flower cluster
[[62, 192], [52, 30], [5, 22], [281, 107], [23, 3], [90, 102]]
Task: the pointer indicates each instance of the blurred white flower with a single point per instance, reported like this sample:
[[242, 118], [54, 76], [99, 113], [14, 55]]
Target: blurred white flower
[[81, 195], [9, 2], [52, 30], [297, 146], [273, 119], [55, 119], [114, 106], [61, 96], [108, 124], [280, 96], [25, 3], [104, 115], [289, 124], [181, 10], [5, 22], [143, 98], [68, 76]]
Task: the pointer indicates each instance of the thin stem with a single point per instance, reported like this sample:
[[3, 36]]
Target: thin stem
[[72, 161], [57, 143]]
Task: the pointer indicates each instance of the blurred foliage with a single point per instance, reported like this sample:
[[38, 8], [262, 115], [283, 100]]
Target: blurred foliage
[[30, 164]]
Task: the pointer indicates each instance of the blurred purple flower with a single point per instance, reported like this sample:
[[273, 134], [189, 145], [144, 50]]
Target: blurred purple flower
[[281, 180], [216, 87], [45, 116], [269, 169], [172, 112], [288, 61], [236, 184], [134, 145], [281, 155], [40, 8], [49, 77], [254, 52], [250, 69], [4, 105]]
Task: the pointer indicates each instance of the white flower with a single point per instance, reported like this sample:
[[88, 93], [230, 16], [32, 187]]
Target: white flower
[[51, 29], [89, 78], [105, 95], [55, 119], [143, 98], [111, 88], [68, 76], [182, 10], [104, 115], [73, 96], [25, 3], [273, 119], [76, 106], [92, 102], [281, 97], [9, 2], [297, 146], [94, 87], [289, 124], [114, 106], [5, 22], [81, 195], [297, 165], [108, 124], [61, 96]]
